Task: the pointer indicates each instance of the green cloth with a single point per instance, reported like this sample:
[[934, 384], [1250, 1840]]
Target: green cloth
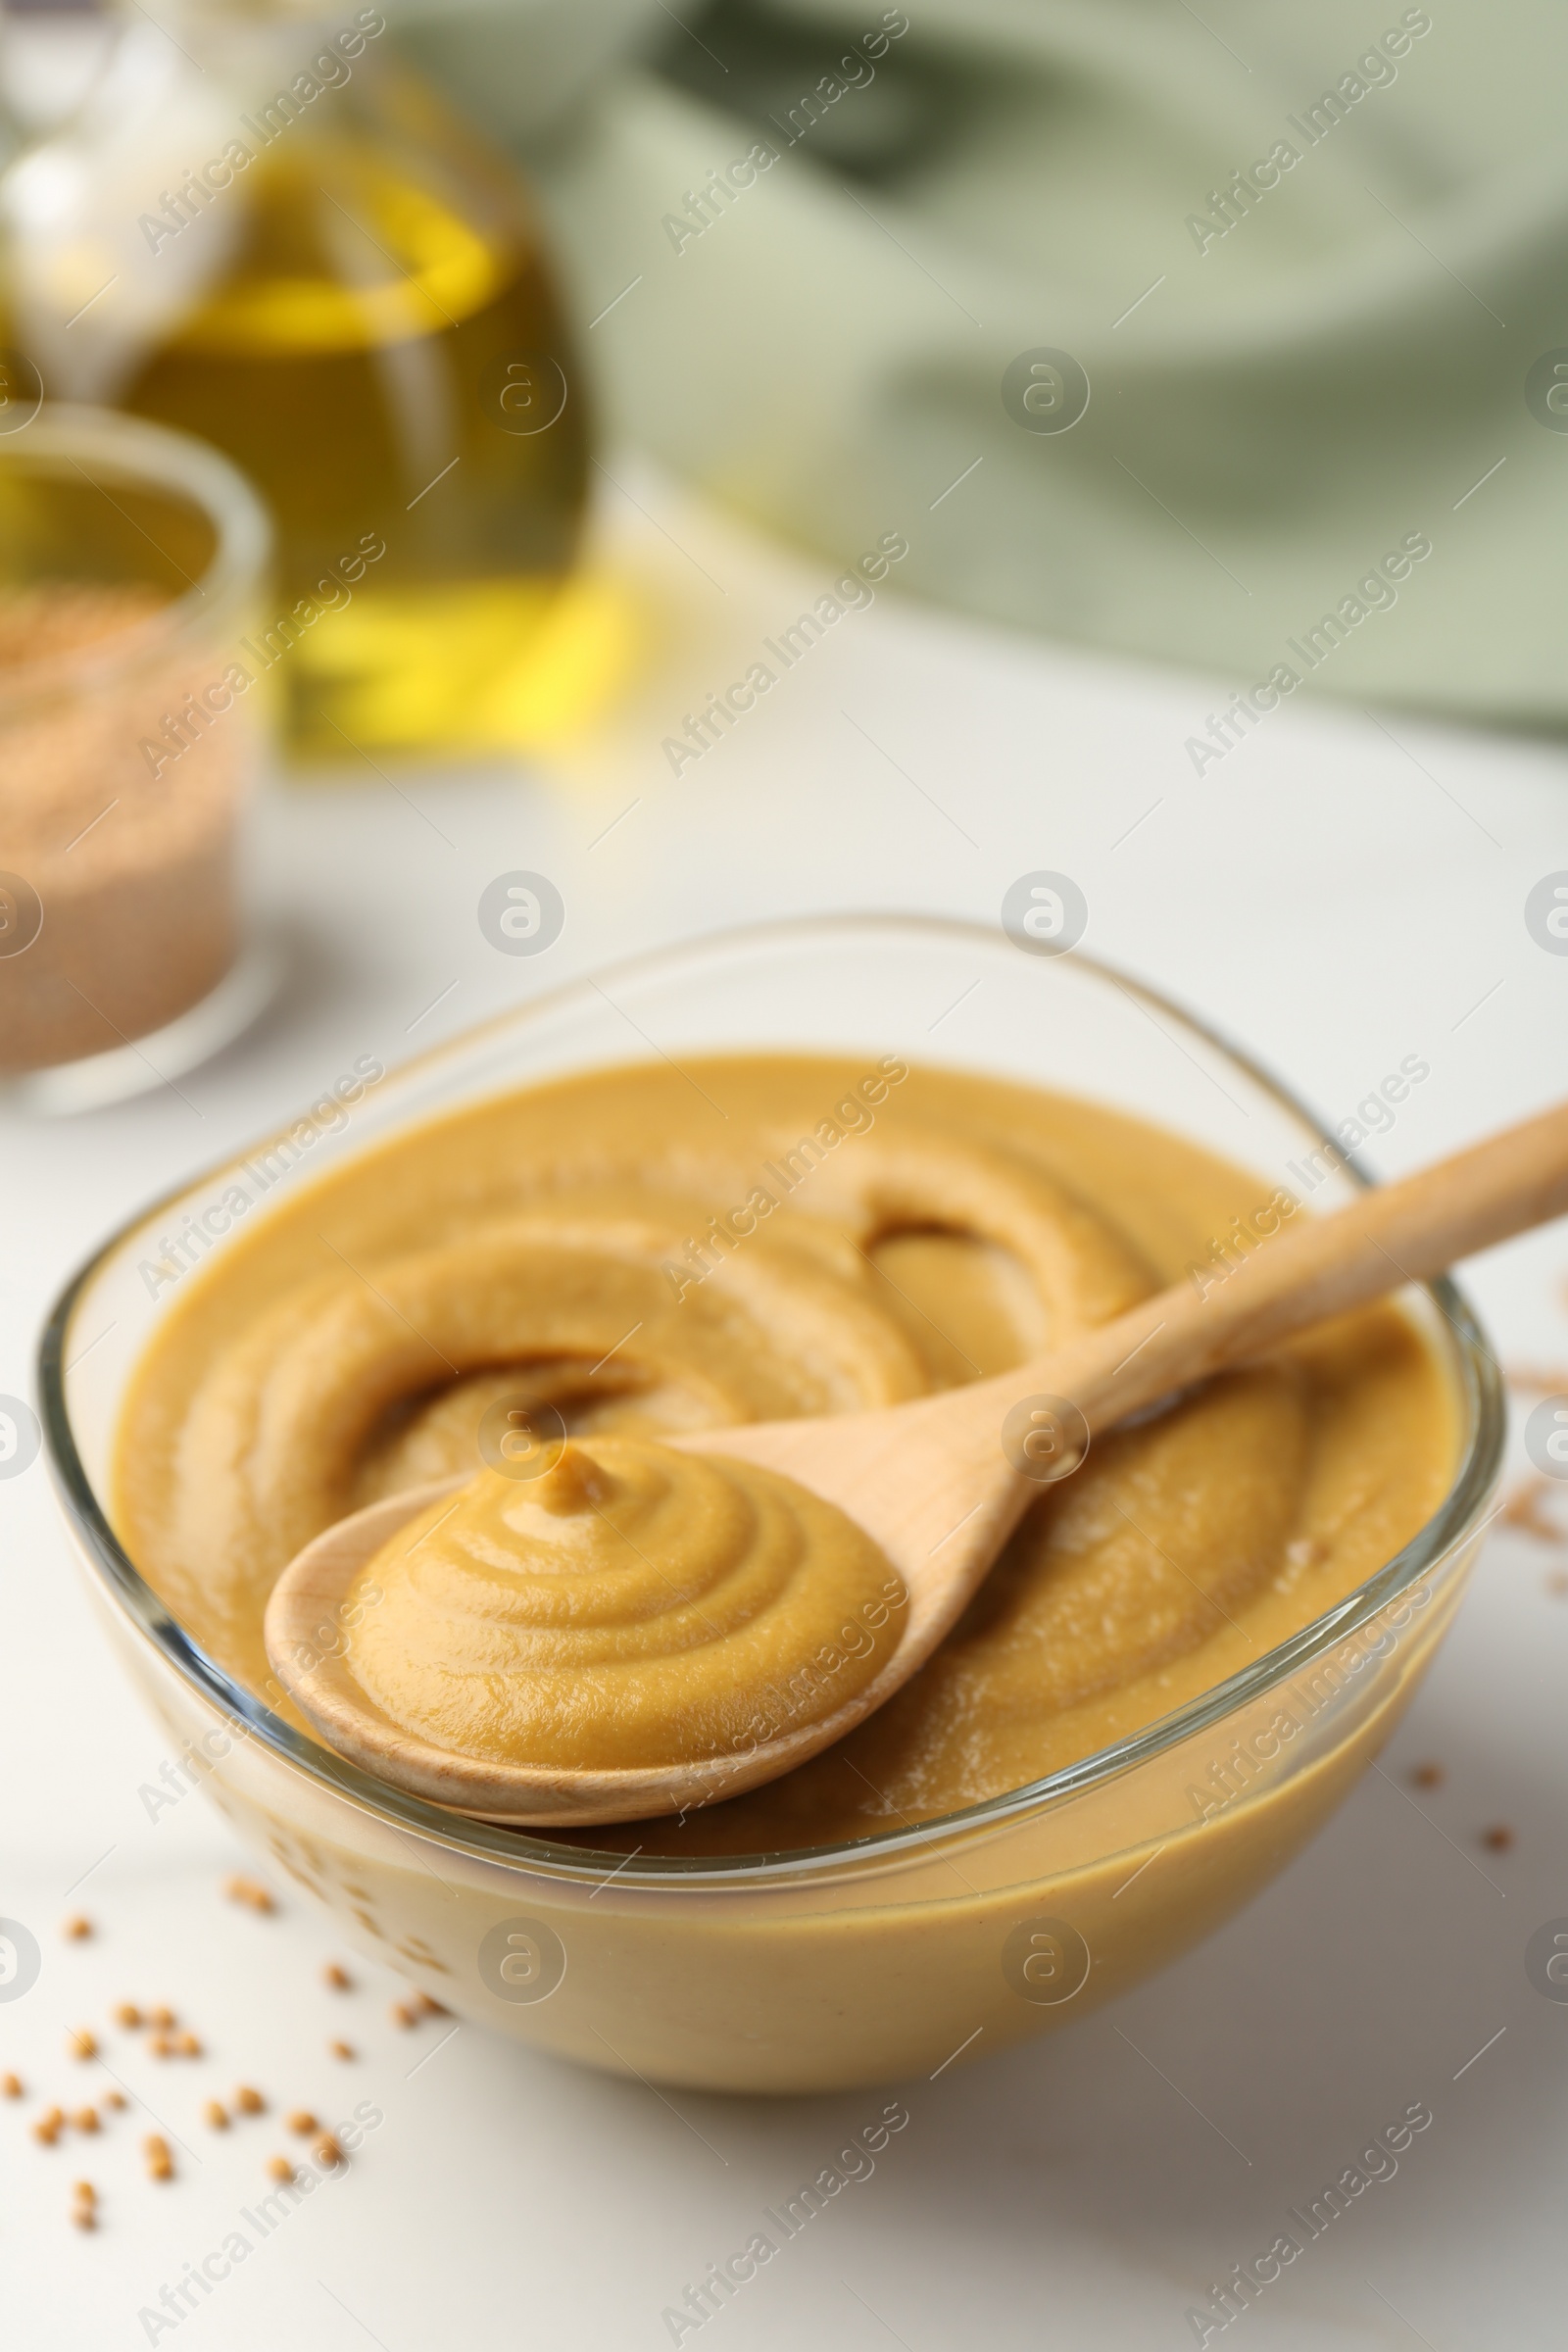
[[1294, 398]]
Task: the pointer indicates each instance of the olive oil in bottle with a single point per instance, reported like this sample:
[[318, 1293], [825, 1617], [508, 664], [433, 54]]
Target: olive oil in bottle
[[262, 228]]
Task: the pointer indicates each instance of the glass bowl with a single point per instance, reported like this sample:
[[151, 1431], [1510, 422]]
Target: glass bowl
[[896, 1952]]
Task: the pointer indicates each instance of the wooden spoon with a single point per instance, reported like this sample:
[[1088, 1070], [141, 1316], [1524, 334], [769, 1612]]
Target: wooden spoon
[[940, 1484]]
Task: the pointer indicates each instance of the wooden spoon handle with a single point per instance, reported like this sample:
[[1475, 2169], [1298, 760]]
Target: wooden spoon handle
[[1312, 1268]]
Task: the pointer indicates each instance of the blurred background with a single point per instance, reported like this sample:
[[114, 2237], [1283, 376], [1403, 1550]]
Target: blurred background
[[1311, 264], [1199, 337], [1304, 276], [1224, 339]]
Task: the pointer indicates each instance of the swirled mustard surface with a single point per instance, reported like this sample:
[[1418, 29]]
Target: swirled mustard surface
[[655, 1250], [630, 1605]]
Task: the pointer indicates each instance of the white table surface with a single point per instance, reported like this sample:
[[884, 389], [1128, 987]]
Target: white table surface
[[1335, 894]]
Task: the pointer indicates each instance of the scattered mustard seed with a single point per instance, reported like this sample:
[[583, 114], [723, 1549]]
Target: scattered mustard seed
[[84, 2217], [326, 2150], [113, 2098], [160, 2162], [1428, 1775], [186, 2045], [128, 2015], [404, 2013], [217, 2114], [1498, 1838], [11, 2086], [337, 1976], [341, 2049], [303, 2122], [81, 2043], [280, 2168], [77, 1928], [250, 1892], [85, 2119], [85, 2192], [159, 2019], [249, 2101], [49, 2126]]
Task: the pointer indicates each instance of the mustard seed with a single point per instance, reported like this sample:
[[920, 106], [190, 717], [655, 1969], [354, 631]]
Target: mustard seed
[[250, 1892]]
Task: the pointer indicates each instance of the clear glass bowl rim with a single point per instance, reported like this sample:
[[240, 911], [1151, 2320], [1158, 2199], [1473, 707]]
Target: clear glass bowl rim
[[1473, 1477], [186, 471]]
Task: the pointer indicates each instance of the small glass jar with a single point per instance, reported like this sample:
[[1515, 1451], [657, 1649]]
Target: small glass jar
[[130, 562]]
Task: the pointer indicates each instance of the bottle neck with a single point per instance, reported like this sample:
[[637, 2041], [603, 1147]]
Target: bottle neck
[[219, 20], [282, 39]]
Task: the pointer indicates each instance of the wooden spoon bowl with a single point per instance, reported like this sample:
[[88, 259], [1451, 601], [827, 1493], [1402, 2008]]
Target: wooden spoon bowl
[[305, 1634]]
